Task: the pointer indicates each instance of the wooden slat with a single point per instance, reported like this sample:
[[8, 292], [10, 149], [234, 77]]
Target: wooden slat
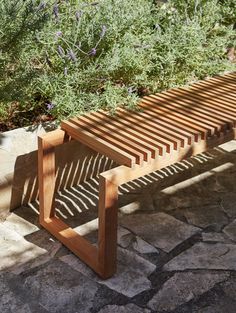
[[121, 175], [151, 121], [99, 145], [165, 123], [105, 124], [152, 107], [217, 101], [214, 84], [182, 105], [156, 126], [185, 115], [198, 106], [220, 87], [231, 76], [210, 105], [156, 141], [114, 139], [227, 96], [137, 130], [228, 83]]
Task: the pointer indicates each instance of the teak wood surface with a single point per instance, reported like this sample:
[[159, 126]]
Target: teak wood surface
[[169, 127]]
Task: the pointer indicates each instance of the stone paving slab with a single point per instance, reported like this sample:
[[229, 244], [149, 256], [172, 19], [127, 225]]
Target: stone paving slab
[[161, 230], [215, 237], [205, 256], [176, 252], [230, 230], [7, 162], [47, 243], [220, 306], [131, 277], [15, 250], [129, 308], [9, 301], [229, 288], [127, 239], [206, 216], [59, 288], [183, 287], [20, 225], [228, 203]]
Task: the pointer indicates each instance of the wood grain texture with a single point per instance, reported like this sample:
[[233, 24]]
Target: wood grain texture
[[108, 219], [169, 127], [165, 122], [100, 145], [46, 170]]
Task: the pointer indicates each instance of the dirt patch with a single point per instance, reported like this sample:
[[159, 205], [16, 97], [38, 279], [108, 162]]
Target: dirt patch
[[17, 117]]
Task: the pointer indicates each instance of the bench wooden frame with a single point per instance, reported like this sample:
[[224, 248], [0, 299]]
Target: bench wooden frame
[[102, 259]]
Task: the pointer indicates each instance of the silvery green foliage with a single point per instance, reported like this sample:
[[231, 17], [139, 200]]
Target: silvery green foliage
[[85, 55]]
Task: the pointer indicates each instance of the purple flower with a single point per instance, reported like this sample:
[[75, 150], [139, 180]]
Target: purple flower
[[42, 6], [71, 55], [78, 15], [56, 11], [50, 105], [92, 52], [103, 32], [59, 33], [61, 51]]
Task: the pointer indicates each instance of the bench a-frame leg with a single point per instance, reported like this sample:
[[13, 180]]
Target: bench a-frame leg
[[102, 259], [107, 227]]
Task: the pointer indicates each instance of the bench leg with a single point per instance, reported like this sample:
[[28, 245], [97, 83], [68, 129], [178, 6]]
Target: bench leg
[[102, 259], [107, 231]]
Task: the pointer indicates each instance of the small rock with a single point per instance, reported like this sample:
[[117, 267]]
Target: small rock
[[231, 54]]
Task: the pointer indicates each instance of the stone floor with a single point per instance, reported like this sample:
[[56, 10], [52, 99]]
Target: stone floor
[[176, 247]]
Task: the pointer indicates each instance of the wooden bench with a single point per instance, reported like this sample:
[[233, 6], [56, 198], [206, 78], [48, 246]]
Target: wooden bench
[[169, 127]]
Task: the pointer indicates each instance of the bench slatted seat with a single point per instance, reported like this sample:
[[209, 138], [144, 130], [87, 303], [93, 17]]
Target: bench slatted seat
[[166, 128]]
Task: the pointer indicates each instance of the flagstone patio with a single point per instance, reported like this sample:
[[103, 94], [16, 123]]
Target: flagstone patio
[[176, 246]]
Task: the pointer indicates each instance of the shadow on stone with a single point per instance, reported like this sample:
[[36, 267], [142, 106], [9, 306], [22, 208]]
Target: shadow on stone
[[75, 164]]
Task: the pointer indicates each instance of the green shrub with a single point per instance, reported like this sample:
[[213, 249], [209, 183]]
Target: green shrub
[[70, 57]]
